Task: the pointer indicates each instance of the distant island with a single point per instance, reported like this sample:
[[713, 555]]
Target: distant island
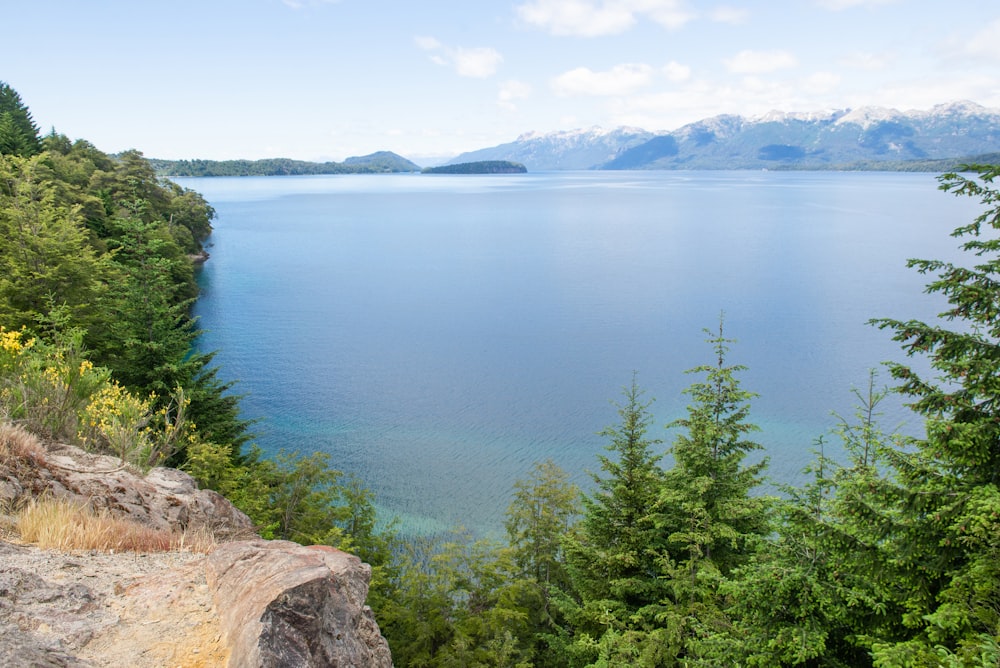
[[381, 162], [480, 167]]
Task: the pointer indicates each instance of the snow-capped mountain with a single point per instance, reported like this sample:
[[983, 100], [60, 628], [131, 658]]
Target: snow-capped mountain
[[831, 138], [572, 149]]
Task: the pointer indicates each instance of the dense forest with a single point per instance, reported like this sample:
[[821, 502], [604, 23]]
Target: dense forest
[[382, 162], [890, 557], [481, 167]]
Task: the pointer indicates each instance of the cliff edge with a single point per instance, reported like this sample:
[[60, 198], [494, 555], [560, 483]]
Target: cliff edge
[[241, 601]]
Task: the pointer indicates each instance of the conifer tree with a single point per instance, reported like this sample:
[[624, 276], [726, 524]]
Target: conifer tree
[[18, 132], [709, 518], [48, 270], [811, 593], [541, 513], [942, 543], [539, 516], [707, 507], [612, 557]]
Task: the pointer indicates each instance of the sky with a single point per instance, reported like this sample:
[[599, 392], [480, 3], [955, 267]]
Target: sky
[[329, 79]]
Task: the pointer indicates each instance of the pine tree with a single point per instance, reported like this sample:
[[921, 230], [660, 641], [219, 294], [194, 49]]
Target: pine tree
[[711, 521], [707, 506], [812, 592], [612, 557], [48, 270], [541, 513], [943, 546], [18, 132]]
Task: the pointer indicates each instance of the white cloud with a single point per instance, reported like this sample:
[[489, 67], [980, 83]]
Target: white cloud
[[510, 91], [592, 18], [820, 83], [619, 80], [676, 73], [299, 4], [732, 15], [479, 63], [985, 43], [748, 96], [427, 43], [760, 62], [838, 5], [861, 60]]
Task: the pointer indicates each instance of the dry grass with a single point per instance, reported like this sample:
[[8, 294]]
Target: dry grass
[[18, 446], [65, 525]]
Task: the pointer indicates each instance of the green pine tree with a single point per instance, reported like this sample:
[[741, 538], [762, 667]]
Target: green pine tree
[[942, 547], [18, 132], [613, 556]]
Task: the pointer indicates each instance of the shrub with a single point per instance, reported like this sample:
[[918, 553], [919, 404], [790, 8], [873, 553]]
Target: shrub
[[54, 391]]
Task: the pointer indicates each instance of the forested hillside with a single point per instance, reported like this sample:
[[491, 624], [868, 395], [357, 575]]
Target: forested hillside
[[888, 558], [382, 162]]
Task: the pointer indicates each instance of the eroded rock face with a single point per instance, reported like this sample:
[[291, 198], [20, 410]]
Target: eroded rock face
[[163, 498], [289, 605]]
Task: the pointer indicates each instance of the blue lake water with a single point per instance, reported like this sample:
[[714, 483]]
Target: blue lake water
[[438, 335]]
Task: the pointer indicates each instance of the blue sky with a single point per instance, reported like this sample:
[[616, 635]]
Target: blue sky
[[328, 79]]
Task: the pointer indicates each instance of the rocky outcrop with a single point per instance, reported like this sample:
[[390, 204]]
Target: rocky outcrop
[[288, 605], [108, 610], [163, 498], [248, 603]]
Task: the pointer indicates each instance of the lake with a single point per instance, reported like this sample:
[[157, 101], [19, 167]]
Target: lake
[[438, 335]]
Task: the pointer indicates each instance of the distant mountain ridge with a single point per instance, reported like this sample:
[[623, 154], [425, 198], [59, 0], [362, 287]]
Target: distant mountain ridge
[[784, 140], [564, 150]]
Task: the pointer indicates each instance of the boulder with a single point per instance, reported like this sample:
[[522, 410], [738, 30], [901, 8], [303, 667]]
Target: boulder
[[282, 604]]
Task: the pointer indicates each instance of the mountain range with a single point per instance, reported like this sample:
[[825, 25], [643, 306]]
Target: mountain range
[[868, 137]]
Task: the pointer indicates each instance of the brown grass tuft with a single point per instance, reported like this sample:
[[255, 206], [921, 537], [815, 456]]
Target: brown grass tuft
[[18, 446], [66, 525]]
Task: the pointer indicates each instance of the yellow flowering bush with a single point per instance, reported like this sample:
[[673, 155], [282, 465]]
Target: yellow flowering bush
[[45, 386], [54, 391], [117, 421]]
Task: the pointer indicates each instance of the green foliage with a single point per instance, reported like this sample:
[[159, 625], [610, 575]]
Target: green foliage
[[948, 586], [706, 506], [481, 167], [148, 342], [46, 261], [99, 245], [377, 163], [541, 513], [46, 386], [18, 132], [54, 391], [455, 603], [612, 555], [812, 592]]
